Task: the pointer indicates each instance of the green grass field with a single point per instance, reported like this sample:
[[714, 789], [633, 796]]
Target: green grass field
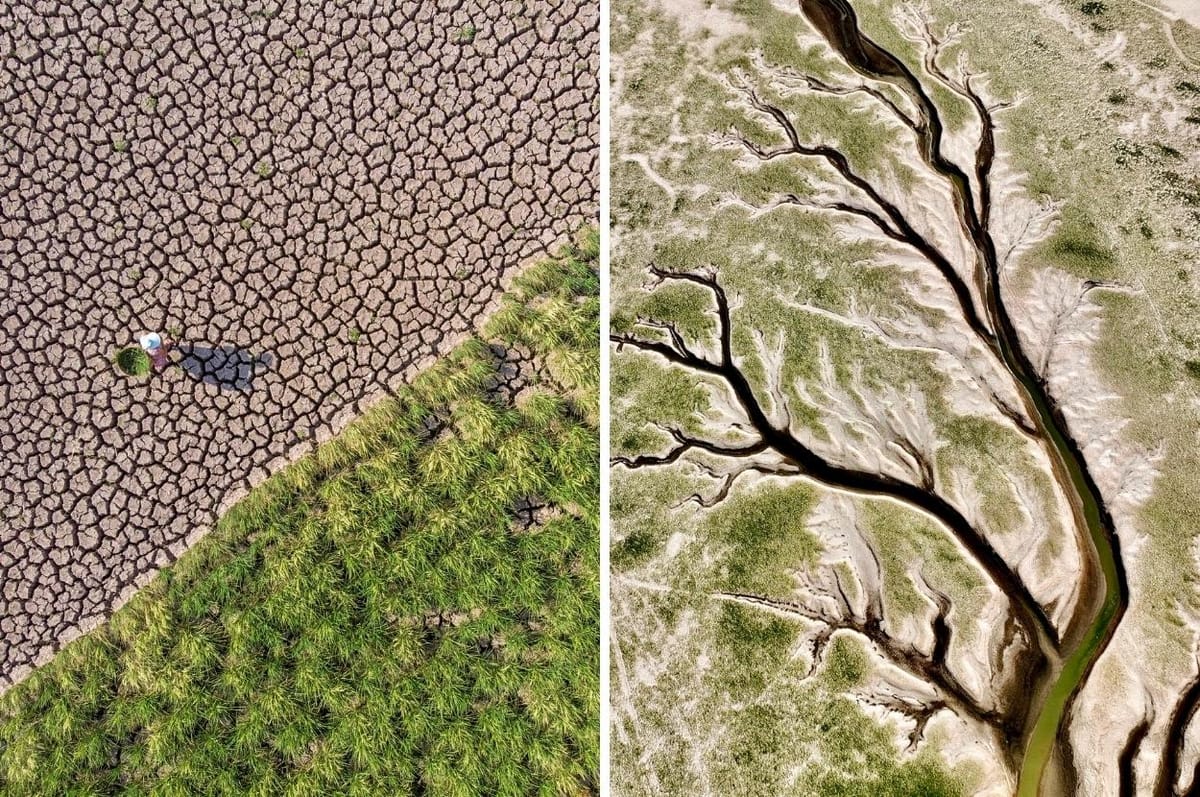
[[372, 620]]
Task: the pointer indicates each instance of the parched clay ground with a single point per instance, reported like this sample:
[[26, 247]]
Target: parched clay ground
[[314, 199]]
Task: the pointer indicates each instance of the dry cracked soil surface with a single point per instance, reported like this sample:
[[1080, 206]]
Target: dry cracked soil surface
[[314, 200]]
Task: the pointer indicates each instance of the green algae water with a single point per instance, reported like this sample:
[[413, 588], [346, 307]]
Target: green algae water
[[1077, 665]]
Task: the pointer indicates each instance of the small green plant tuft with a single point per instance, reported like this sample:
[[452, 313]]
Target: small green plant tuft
[[120, 144], [264, 169], [246, 223], [1093, 8], [354, 335], [466, 34], [133, 361]]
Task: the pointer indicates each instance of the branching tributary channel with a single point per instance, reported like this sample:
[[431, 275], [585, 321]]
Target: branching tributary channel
[[1103, 594]]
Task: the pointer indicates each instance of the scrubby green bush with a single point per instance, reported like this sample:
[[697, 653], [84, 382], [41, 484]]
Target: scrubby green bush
[[133, 361]]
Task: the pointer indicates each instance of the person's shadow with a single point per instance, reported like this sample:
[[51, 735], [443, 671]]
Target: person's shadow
[[227, 367]]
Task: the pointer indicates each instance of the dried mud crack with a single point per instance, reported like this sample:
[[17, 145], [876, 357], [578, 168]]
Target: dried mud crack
[[316, 201]]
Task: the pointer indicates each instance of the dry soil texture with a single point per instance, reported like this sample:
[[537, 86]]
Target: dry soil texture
[[313, 199]]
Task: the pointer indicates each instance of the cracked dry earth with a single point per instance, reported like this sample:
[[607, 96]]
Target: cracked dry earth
[[314, 200]]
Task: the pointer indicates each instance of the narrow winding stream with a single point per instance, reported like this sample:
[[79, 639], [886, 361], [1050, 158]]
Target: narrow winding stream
[[1046, 765]]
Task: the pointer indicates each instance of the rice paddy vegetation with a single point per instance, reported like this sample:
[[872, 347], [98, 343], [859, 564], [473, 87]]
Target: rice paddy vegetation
[[412, 609]]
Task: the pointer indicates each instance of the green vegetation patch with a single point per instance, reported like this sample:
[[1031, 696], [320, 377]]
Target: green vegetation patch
[[133, 361], [782, 732], [758, 641], [971, 441], [766, 536], [642, 500], [846, 664], [373, 619], [907, 542], [1079, 246], [650, 393]]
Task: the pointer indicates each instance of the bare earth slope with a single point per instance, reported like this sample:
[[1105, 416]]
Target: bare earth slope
[[315, 200]]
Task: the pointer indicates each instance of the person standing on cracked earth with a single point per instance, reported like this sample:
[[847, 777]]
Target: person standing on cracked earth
[[157, 349]]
